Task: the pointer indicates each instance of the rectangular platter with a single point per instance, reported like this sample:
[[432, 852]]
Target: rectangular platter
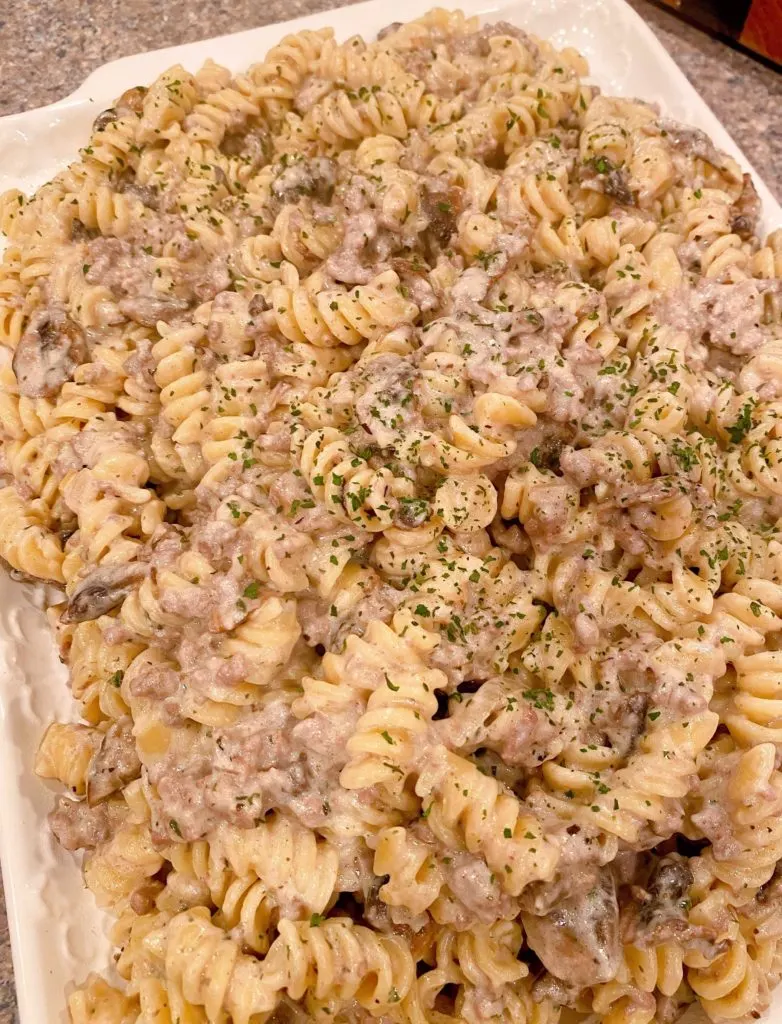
[[57, 933]]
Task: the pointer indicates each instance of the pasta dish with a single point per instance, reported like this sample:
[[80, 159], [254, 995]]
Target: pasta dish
[[397, 425]]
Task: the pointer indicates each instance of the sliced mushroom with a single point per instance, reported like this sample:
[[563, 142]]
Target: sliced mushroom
[[632, 723], [104, 119], [578, 940], [671, 880], [375, 909], [771, 891], [147, 310], [323, 178], [406, 267], [547, 454], [257, 305], [746, 210], [47, 354], [131, 101], [660, 913], [692, 140], [102, 591], [18, 575], [443, 209], [114, 764], [148, 194], [616, 185], [389, 29], [667, 889]]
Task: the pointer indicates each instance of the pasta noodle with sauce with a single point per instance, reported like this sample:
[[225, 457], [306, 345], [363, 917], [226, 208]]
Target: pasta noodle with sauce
[[398, 422]]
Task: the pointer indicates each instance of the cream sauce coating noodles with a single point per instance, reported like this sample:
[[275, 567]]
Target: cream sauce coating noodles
[[398, 421]]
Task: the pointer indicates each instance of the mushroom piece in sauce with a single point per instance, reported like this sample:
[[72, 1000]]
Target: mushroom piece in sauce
[[578, 940], [47, 354], [102, 591]]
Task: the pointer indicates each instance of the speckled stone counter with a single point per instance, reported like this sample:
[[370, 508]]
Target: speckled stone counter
[[48, 48]]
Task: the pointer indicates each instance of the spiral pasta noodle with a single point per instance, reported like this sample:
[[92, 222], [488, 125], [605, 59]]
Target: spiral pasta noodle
[[396, 424]]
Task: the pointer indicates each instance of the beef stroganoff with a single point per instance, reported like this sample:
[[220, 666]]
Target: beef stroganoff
[[397, 420]]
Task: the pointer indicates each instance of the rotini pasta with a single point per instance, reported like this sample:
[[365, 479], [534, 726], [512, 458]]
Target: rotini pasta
[[398, 424]]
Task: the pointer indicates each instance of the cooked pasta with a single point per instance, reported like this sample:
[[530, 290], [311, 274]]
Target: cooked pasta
[[399, 421]]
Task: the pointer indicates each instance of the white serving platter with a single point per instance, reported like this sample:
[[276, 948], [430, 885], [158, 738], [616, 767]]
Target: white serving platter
[[57, 934]]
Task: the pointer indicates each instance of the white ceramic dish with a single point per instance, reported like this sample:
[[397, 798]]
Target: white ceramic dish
[[56, 932]]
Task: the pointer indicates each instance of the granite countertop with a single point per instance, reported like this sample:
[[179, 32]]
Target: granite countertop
[[48, 49]]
